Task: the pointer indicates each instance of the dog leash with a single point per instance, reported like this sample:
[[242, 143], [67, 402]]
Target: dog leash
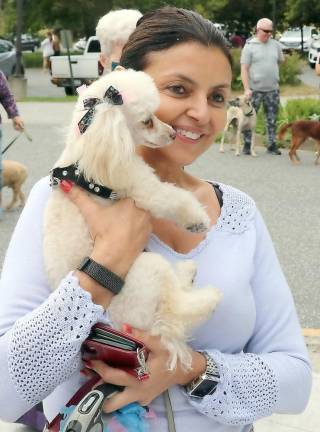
[[15, 139]]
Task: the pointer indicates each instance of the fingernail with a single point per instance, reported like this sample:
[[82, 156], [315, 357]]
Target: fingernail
[[127, 328], [84, 372], [66, 185]]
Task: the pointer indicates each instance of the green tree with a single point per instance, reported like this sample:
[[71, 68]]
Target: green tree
[[302, 12]]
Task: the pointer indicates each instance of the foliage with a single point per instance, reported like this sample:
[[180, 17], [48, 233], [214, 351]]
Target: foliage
[[290, 69], [236, 78], [302, 12], [81, 16], [32, 59]]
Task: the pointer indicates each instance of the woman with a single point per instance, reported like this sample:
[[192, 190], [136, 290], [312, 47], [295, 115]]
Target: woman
[[252, 342], [47, 51]]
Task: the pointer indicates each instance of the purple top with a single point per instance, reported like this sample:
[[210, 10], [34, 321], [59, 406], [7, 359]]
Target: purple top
[[6, 98]]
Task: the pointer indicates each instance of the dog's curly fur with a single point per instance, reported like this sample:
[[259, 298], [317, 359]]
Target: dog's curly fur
[[105, 154]]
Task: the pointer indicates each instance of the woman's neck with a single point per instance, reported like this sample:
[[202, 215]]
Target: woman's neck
[[165, 170]]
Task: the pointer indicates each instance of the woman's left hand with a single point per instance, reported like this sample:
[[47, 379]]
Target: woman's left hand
[[160, 378]]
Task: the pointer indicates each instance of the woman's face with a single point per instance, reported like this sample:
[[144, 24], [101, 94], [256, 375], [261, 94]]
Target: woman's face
[[194, 83]]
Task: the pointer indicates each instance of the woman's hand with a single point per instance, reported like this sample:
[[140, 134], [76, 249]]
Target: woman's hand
[[119, 231], [160, 378]]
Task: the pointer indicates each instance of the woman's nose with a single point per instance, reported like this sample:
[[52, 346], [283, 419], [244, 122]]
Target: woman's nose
[[200, 110]]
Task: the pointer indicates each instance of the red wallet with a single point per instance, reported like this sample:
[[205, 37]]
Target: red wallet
[[117, 349]]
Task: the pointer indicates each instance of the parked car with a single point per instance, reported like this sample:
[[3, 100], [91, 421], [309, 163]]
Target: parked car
[[291, 38], [29, 42], [314, 51], [86, 67], [8, 57], [80, 44]]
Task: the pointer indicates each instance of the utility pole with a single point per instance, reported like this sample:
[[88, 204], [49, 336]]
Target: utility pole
[[17, 81], [274, 17], [19, 70]]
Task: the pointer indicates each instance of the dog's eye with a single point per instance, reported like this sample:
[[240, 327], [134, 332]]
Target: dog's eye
[[148, 123]]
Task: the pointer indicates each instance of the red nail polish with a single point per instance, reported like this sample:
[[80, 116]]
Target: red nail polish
[[84, 372], [66, 185], [127, 328], [88, 364]]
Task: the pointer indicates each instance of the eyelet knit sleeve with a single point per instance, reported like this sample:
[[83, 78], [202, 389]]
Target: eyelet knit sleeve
[[44, 348], [248, 390]]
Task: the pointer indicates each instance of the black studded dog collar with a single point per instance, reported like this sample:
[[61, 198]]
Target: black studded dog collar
[[73, 174]]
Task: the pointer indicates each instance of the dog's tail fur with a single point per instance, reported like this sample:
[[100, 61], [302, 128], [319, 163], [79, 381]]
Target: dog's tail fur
[[283, 130]]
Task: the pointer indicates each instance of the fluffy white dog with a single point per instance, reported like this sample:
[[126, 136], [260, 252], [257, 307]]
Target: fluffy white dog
[[120, 115]]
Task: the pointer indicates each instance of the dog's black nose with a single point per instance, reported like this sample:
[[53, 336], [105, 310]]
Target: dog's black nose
[[173, 135]]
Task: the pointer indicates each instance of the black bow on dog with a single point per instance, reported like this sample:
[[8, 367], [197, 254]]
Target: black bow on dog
[[112, 96]]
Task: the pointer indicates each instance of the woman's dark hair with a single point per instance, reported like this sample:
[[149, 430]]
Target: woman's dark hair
[[166, 27]]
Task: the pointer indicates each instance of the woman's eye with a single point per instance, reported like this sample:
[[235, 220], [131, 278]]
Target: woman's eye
[[177, 89], [148, 123], [218, 98]]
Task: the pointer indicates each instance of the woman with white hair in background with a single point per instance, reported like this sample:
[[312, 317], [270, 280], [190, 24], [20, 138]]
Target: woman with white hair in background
[[113, 31]]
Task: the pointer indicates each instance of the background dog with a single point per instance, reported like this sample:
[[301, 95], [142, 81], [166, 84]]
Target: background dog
[[301, 130], [243, 115], [14, 175]]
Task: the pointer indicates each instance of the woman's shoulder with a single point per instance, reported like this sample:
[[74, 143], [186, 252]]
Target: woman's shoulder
[[238, 209]]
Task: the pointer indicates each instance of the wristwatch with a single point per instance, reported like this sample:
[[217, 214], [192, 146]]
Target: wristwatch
[[102, 275], [207, 382]]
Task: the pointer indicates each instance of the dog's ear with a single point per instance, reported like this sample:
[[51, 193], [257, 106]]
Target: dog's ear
[[108, 143]]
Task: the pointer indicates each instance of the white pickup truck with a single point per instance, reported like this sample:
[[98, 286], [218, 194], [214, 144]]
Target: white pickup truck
[[85, 67]]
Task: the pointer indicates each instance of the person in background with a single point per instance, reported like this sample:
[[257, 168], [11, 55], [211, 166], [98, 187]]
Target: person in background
[[56, 45], [9, 104], [260, 59], [113, 31], [47, 51]]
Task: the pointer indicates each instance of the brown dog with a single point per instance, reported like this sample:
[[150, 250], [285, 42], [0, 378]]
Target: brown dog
[[301, 130], [14, 175]]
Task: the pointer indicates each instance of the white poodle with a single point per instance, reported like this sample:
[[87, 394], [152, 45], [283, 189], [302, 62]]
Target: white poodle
[[114, 115]]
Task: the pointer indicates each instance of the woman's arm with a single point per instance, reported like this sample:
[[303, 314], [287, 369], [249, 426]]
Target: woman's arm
[[273, 373], [6, 98], [42, 332]]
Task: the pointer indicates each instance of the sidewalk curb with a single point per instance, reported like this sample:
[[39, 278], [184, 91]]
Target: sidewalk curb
[[312, 338]]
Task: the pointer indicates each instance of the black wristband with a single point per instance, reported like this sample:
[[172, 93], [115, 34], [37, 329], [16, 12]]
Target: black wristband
[[102, 275]]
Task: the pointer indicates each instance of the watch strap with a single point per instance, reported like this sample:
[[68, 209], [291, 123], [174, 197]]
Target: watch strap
[[102, 275], [212, 368]]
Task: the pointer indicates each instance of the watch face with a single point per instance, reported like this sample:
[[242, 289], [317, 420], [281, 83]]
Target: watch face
[[204, 388]]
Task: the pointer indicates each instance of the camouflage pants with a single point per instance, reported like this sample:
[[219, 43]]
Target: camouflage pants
[[271, 102]]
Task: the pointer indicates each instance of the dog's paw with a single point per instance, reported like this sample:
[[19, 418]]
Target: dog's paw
[[221, 150]]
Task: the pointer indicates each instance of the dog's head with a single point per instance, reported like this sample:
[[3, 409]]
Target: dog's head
[[131, 98], [112, 116], [241, 102]]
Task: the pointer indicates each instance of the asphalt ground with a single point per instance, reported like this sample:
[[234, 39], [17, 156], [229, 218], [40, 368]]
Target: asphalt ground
[[287, 195]]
